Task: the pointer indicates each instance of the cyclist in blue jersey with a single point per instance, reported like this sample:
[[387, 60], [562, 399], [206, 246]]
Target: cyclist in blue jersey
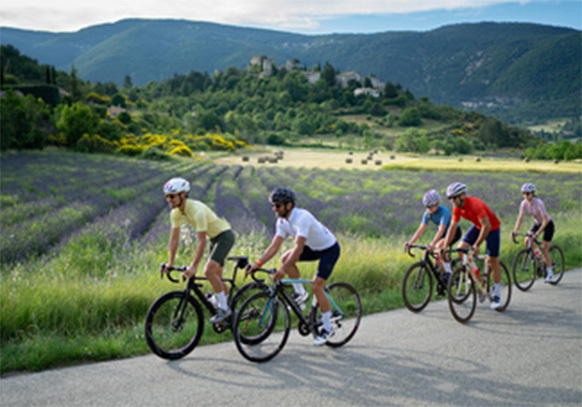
[[441, 216], [313, 241]]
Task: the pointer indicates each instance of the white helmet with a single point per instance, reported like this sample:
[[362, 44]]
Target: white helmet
[[456, 188], [431, 198], [176, 185], [528, 187]]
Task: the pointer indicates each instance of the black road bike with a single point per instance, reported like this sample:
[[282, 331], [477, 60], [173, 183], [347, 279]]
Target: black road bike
[[262, 323], [419, 280], [175, 322], [526, 267]]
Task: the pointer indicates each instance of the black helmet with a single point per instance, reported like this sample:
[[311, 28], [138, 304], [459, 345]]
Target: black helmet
[[282, 194]]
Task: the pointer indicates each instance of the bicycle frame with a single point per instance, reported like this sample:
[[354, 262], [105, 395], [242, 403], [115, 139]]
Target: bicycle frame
[[427, 260], [305, 321], [194, 284], [468, 262]]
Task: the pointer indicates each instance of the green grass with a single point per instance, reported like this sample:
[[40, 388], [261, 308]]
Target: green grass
[[56, 312]]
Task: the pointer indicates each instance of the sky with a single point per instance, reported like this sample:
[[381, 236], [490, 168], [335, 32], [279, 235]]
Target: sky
[[299, 16]]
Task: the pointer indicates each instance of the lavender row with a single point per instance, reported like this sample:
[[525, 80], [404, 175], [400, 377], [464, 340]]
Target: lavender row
[[229, 205]]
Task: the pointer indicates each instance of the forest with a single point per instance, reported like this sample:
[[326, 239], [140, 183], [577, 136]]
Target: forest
[[237, 109]]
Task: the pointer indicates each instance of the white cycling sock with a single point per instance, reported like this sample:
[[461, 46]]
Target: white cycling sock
[[550, 271], [497, 289], [222, 301], [298, 287], [325, 316], [448, 267]]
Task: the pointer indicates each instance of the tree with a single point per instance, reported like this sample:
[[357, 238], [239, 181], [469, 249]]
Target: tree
[[25, 122], [127, 82], [328, 74], [410, 117], [75, 121], [75, 88]]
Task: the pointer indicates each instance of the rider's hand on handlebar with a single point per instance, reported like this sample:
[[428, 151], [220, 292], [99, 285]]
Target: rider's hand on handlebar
[[250, 269], [190, 272], [406, 246]]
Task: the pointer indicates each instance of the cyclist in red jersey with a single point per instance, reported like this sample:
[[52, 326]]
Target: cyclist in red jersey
[[485, 228]]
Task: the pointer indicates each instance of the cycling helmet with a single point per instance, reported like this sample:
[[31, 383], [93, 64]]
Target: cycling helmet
[[282, 194], [431, 198], [456, 188], [528, 187], [176, 185]]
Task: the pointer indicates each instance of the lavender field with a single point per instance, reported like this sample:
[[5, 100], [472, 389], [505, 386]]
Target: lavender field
[[83, 235]]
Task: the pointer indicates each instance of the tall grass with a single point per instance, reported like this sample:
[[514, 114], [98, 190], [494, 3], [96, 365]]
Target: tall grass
[[88, 301]]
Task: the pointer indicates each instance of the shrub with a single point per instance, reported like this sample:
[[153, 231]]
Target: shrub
[[95, 144], [131, 150]]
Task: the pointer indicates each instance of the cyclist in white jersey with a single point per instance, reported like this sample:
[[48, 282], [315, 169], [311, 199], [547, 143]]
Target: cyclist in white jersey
[[313, 241], [542, 224]]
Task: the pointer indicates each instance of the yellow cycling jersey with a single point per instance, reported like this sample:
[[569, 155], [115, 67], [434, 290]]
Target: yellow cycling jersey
[[201, 217]]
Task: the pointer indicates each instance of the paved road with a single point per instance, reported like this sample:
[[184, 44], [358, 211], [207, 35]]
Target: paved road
[[530, 355]]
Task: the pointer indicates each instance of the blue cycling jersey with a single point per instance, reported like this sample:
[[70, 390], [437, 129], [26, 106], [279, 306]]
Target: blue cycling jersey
[[442, 216]]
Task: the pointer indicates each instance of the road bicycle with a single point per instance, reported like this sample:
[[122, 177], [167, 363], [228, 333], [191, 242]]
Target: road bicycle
[[466, 286], [175, 322], [528, 265], [417, 285], [262, 324]]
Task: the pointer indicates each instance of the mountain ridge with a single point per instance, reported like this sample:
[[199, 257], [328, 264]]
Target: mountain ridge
[[453, 64]]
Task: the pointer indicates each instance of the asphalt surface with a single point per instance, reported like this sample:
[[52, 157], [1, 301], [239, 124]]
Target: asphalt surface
[[529, 355]]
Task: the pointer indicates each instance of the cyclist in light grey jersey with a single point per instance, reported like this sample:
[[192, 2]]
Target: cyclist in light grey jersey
[[313, 241]]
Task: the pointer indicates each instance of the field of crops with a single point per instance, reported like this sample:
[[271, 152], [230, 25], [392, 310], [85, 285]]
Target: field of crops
[[82, 236]]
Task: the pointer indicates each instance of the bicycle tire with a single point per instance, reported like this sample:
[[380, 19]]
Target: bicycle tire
[[417, 287], [167, 337], [557, 256], [243, 294], [461, 295], [524, 269], [249, 322], [505, 288], [346, 313]]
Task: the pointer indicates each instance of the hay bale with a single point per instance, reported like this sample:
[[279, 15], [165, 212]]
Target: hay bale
[[527, 160], [556, 161], [364, 162], [245, 158], [392, 157], [261, 160], [351, 153], [273, 160], [378, 162], [460, 160], [478, 159], [349, 160]]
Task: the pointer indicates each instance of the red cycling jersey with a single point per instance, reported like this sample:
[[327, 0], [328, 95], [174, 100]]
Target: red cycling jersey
[[474, 210]]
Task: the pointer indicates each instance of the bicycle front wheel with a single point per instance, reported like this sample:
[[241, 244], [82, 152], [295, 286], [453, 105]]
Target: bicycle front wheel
[[462, 295], [524, 269], [346, 313], [174, 325], [417, 287], [557, 257], [261, 327]]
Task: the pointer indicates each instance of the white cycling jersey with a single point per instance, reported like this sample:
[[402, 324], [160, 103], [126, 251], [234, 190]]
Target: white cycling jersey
[[302, 223]]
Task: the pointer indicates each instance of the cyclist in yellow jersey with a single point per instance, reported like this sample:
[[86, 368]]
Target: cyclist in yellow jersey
[[207, 225]]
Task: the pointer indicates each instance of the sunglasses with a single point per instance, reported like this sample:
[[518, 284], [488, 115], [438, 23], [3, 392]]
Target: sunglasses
[[452, 198], [171, 196], [277, 205]]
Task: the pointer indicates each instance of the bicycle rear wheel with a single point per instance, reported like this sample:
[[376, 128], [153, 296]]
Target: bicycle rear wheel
[[505, 291], [174, 325], [417, 287], [524, 269], [557, 257], [261, 327], [346, 313], [462, 296]]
